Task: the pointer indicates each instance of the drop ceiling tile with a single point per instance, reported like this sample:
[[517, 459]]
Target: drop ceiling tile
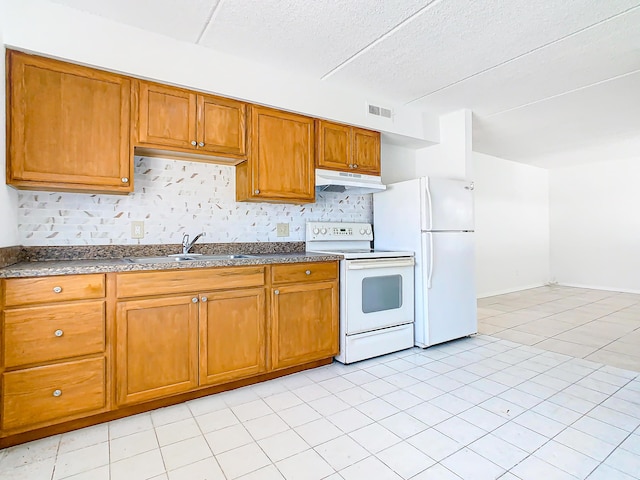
[[311, 36], [607, 50], [179, 19], [455, 39]]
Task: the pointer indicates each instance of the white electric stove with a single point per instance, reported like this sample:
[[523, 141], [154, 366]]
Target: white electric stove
[[376, 290]]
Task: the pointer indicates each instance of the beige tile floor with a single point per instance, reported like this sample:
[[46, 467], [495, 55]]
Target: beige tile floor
[[475, 408], [595, 325]]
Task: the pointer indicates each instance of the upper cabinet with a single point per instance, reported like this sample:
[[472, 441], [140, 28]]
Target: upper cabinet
[[349, 149], [68, 127], [186, 121], [280, 163]]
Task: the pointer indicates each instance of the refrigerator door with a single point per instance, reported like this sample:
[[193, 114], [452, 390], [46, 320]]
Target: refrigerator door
[[448, 296], [448, 205]]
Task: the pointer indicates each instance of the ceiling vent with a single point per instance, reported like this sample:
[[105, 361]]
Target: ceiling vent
[[378, 111]]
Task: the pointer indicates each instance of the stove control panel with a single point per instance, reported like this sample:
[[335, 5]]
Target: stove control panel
[[339, 231]]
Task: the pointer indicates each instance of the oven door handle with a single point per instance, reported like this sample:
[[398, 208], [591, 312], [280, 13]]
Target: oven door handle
[[380, 263]]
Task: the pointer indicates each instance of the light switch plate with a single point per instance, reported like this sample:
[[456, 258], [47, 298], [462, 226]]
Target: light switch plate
[[137, 229], [282, 229]]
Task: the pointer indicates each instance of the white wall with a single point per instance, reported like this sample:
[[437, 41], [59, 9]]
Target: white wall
[[8, 196], [512, 225], [595, 225], [397, 163]]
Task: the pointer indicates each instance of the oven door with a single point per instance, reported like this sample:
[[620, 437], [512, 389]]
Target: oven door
[[377, 293]]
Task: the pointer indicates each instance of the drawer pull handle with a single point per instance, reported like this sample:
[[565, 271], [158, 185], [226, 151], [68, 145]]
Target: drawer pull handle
[[308, 272], [57, 393], [194, 299], [57, 289], [204, 299], [58, 333], [277, 292]]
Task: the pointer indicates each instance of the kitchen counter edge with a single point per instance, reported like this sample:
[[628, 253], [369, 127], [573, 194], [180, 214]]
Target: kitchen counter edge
[[73, 267]]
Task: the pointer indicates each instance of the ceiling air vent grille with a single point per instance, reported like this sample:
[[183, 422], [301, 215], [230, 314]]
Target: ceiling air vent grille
[[378, 111]]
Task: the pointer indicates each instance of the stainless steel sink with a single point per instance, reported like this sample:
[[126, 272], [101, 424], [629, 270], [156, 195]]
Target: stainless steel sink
[[190, 257]]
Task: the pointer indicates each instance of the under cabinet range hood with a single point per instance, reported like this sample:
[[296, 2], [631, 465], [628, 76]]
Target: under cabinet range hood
[[346, 182]]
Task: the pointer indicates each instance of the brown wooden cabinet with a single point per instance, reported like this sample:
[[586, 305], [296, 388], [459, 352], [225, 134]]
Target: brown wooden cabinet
[[346, 148], [280, 163], [183, 120], [304, 313], [209, 327], [68, 127], [107, 346], [53, 350], [156, 348], [232, 335]]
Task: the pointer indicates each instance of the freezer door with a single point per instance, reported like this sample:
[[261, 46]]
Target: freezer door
[[448, 288], [448, 204]]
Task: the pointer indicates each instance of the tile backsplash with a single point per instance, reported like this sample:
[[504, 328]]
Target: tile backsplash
[[172, 198]]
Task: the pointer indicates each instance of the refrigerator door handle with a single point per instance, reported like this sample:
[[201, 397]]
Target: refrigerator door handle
[[430, 205], [430, 274]]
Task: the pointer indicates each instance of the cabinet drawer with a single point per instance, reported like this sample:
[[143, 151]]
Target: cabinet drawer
[[52, 392], [25, 291], [140, 284], [304, 272], [42, 334]]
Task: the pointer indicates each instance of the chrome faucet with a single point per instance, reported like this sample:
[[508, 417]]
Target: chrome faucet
[[186, 244]]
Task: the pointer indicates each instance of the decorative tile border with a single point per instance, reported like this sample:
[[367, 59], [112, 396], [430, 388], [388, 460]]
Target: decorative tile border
[[172, 198]]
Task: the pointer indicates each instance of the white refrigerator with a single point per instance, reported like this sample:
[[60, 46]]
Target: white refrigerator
[[433, 217]]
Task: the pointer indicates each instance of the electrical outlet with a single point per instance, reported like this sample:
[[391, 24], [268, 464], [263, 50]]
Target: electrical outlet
[[137, 229], [282, 229]]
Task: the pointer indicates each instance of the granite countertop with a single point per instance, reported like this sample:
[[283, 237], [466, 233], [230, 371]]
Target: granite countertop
[[69, 267]]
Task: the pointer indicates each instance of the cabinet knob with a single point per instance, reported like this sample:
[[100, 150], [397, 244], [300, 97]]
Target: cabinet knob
[[194, 300], [308, 272], [57, 289], [276, 292], [57, 393], [124, 179], [58, 333], [204, 299], [256, 192], [194, 143], [355, 165], [201, 144]]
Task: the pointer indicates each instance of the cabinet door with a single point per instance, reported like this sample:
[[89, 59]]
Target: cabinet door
[[69, 126], [304, 323], [334, 146], [366, 151], [281, 157], [221, 125], [156, 348], [232, 335], [166, 116]]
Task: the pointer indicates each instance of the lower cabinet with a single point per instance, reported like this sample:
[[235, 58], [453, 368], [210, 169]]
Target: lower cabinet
[[156, 348], [304, 323], [304, 313], [77, 346]]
